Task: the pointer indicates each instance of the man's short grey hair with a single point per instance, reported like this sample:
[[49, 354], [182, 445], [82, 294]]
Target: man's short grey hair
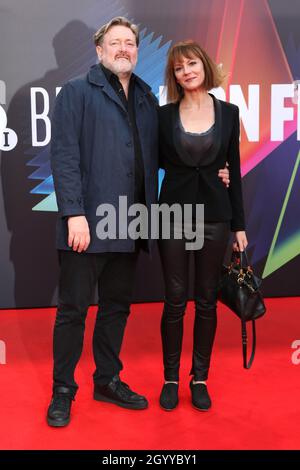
[[117, 21]]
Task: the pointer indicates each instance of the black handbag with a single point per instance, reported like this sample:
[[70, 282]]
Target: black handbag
[[239, 290]]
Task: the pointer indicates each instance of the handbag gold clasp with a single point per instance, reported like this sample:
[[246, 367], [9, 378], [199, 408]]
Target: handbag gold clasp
[[241, 277]]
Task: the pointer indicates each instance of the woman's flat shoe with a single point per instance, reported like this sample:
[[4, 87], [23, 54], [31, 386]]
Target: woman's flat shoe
[[200, 397], [168, 399]]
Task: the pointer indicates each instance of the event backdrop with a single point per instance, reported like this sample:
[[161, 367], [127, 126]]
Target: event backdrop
[[45, 43]]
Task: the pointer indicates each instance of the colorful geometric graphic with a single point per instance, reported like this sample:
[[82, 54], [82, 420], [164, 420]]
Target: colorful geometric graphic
[[281, 252], [242, 36]]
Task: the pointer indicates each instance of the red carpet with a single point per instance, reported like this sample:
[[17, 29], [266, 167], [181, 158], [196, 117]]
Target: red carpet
[[256, 409]]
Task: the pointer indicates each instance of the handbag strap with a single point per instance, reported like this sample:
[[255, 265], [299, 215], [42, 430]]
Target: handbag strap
[[242, 258], [242, 263], [245, 342]]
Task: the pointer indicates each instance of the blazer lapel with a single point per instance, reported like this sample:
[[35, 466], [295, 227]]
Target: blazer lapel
[[218, 128]]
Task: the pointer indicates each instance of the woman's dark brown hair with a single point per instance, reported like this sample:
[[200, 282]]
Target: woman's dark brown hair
[[213, 75]]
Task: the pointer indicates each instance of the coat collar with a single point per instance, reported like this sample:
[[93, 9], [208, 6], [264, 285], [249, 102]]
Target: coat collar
[[183, 154], [97, 77]]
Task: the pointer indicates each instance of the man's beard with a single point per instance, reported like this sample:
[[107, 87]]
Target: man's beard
[[122, 66]]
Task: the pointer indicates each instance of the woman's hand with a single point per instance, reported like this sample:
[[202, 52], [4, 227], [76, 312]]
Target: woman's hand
[[241, 242], [224, 175]]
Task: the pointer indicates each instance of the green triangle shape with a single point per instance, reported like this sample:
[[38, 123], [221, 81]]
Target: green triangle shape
[[290, 248], [48, 204]]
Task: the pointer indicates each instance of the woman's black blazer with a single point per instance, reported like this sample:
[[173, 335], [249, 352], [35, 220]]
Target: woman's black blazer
[[185, 183]]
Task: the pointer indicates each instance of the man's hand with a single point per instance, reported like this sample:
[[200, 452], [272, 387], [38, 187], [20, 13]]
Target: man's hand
[[224, 175], [79, 233], [241, 242]]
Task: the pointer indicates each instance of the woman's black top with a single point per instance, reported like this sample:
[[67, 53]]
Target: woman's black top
[[198, 145], [192, 166]]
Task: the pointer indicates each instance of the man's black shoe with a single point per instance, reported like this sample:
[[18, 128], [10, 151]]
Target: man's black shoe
[[119, 393], [60, 407]]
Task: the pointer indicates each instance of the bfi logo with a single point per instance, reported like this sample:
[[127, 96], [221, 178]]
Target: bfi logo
[[2, 352], [8, 137]]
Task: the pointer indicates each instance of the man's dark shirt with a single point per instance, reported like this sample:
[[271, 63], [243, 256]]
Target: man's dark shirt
[[139, 184]]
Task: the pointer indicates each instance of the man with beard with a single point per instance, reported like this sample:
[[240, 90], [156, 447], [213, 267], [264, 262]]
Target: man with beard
[[104, 145]]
